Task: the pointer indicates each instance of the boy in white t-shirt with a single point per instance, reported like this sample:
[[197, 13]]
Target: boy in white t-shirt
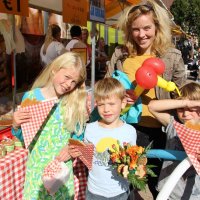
[[103, 181]]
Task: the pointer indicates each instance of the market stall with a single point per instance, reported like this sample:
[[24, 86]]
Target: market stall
[[12, 174]]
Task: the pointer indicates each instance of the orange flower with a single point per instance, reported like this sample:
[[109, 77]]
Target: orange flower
[[131, 151], [133, 162], [115, 157], [135, 149], [122, 154]]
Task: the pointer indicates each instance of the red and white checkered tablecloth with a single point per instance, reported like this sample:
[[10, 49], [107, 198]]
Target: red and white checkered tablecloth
[[80, 179], [12, 174]]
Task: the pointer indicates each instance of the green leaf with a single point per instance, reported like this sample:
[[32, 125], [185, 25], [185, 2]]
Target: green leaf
[[151, 172], [138, 183], [149, 146]]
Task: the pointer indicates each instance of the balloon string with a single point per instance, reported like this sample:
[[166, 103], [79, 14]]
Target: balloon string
[[179, 94]]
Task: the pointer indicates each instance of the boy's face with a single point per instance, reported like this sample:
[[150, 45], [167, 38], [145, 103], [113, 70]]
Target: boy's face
[[187, 114], [110, 108]]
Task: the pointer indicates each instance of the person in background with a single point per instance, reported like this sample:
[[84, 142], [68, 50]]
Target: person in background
[[101, 58], [187, 109], [85, 35], [76, 38], [103, 181], [52, 46], [147, 31], [63, 79]]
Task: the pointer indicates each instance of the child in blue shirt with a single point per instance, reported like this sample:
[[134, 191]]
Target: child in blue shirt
[[103, 181]]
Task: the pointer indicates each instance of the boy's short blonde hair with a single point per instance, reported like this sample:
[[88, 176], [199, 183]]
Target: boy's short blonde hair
[[108, 87], [190, 91]]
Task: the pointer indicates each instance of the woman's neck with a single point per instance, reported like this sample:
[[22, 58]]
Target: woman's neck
[[144, 51]]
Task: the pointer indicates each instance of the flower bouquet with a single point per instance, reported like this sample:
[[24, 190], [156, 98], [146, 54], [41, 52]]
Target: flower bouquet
[[131, 163]]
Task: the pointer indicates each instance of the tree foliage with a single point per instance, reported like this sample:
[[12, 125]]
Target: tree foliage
[[187, 15]]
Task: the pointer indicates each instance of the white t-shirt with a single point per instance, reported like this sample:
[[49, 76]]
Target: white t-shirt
[[53, 51], [71, 44], [103, 179]]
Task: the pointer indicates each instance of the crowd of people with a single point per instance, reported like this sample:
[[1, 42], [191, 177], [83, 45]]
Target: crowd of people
[[147, 34]]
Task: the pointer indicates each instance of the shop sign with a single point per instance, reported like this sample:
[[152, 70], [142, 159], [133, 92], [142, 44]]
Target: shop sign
[[97, 10], [75, 12], [15, 7]]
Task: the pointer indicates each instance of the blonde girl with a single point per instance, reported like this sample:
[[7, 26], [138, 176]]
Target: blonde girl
[[63, 79]]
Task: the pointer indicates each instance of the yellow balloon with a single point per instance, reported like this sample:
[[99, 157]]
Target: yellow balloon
[[106, 143]]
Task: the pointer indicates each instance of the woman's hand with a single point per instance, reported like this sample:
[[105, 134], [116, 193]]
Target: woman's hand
[[20, 117], [68, 152], [130, 97]]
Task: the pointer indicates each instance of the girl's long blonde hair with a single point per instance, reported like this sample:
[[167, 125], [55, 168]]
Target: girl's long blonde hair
[[74, 102], [163, 39]]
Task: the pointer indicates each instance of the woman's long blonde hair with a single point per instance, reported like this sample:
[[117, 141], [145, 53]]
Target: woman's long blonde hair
[[163, 39], [74, 102]]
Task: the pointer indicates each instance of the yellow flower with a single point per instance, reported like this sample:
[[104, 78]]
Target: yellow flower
[[119, 168], [125, 171], [140, 149], [140, 171]]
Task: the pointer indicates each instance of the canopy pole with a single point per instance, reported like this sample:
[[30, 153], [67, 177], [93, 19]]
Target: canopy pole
[[93, 42], [14, 80]]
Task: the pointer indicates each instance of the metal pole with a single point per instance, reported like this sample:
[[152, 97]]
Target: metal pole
[[93, 71], [14, 67]]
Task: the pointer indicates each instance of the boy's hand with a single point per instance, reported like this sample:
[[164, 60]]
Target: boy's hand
[[198, 154], [20, 117], [68, 152]]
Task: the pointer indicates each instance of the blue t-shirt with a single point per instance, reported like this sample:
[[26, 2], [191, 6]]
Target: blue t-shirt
[[103, 179]]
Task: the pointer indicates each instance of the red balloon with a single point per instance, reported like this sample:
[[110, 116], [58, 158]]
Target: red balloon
[[146, 77], [156, 64]]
